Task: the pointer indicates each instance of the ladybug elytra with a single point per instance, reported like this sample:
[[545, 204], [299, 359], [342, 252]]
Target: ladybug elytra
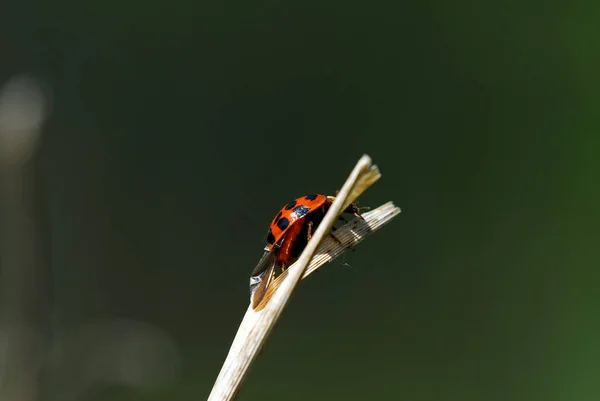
[[288, 234]]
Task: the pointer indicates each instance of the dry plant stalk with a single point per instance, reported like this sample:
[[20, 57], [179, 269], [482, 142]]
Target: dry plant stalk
[[257, 324]]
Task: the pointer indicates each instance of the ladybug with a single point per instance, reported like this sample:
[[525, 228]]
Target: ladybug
[[288, 234]]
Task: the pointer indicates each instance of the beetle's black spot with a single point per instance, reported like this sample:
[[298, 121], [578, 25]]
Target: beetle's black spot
[[283, 223], [301, 211], [270, 237], [290, 205], [277, 218], [311, 197]]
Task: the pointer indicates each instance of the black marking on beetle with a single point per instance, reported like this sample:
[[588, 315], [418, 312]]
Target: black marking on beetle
[[276, 219], [283, 223], [311, 197], [270, 237], [290, 205], [301, 211]]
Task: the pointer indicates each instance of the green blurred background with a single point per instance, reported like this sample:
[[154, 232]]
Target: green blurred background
[[177, 130]]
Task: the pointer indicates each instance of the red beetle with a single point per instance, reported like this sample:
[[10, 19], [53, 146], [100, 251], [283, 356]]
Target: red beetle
[[290, 231]]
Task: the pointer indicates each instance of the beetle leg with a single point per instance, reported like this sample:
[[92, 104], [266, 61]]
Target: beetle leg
[[310, 226], [357, 209]]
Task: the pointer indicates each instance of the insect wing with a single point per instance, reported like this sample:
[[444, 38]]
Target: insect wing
[[261, 278]]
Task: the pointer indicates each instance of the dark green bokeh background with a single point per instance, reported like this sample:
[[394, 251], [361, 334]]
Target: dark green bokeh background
[[179, 129]]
